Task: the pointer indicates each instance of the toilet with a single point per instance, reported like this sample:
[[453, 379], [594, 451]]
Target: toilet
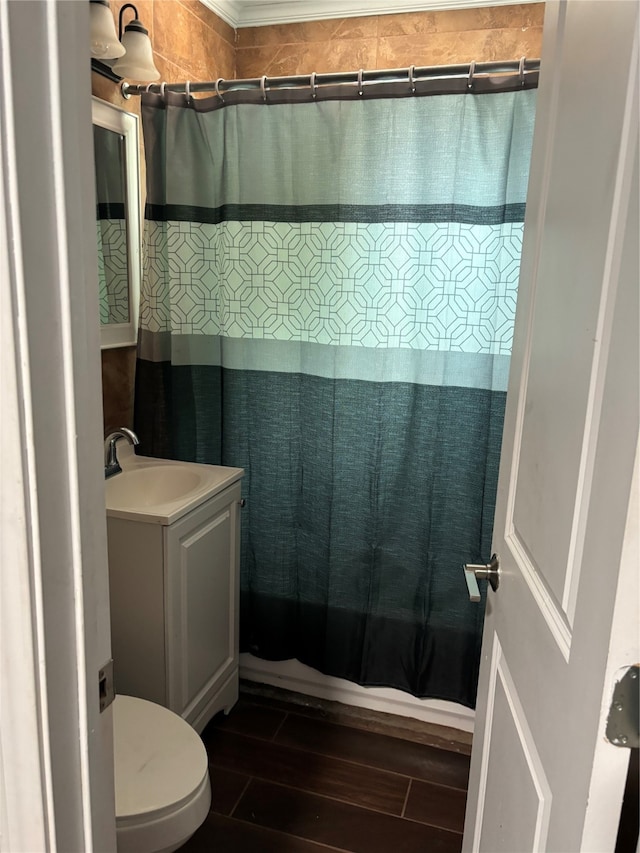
[[161, 777]]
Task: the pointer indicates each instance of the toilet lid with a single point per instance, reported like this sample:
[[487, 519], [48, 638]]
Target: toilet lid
[[160, 761]]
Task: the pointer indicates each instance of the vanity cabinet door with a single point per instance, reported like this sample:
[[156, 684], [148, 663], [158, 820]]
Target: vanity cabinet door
[[202, 604]]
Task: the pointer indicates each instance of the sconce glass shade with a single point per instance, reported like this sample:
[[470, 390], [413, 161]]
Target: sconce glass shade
[[104, 39], [137, 62]]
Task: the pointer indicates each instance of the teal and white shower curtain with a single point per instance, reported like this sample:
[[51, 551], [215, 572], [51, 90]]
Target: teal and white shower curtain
[[328, 302]]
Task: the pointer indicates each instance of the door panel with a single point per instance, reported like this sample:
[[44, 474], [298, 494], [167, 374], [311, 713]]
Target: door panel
[[520, 807], [201, 568], [206, 576], [571, 430]]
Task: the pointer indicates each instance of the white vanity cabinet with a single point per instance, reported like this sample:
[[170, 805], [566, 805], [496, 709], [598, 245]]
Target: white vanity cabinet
[[174, 585]]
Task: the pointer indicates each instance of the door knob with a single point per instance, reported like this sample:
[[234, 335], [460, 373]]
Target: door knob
[[490, 571]]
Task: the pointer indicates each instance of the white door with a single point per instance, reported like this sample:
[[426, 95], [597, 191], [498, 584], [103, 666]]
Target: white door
[[564, 618], [56, 751]]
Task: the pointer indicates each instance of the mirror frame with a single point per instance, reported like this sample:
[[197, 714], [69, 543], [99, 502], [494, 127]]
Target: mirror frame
[[113, 118]]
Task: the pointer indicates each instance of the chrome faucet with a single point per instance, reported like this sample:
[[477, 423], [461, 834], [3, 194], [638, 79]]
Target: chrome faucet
[[111, 464]]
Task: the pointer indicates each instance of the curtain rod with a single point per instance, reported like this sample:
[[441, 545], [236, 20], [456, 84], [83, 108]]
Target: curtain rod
[[412, 75]]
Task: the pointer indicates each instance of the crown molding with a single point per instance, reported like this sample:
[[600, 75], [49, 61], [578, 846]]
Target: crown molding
[[260, 13]]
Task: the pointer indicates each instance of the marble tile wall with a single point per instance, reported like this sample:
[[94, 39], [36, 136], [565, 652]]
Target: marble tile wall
[[190, 43], [391, 41]]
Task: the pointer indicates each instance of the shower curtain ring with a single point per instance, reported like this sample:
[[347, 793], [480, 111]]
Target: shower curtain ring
[[314, 85], [218, 93], [163, 90], [472, 69], [187, 91], [360, 73], [263, 87], [521, 70], [412, 82]]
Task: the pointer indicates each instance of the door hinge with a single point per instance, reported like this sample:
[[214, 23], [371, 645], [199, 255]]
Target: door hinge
[[623, 726], [106, 690]]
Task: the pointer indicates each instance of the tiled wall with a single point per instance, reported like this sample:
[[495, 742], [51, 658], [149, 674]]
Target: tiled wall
[[191, 43], [391, 41]]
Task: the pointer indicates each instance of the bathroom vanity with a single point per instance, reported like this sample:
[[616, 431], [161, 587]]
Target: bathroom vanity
[[173, 536]]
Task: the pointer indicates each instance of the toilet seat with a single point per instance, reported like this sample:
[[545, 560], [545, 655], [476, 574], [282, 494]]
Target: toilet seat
[[161, 777]]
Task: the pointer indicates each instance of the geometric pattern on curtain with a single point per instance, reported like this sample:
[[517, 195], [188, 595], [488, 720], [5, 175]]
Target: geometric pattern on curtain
[[438, 286], [328, 302], [113, 270]]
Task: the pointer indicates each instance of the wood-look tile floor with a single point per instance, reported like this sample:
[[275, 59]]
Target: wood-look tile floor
[[287, 780]]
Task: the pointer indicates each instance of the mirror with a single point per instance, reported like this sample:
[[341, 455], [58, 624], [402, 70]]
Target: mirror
[[115, 140]]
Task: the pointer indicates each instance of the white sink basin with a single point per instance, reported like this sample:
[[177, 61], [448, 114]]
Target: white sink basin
[[153, 485], [162, 490]]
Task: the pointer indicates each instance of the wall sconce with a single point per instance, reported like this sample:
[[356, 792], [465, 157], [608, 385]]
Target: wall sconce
[[130, 49]]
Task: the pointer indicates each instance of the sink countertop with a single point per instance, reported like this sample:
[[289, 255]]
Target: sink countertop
[[205, 481]]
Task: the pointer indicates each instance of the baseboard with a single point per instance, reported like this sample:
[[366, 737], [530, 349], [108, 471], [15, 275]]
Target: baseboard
[[293, 675]]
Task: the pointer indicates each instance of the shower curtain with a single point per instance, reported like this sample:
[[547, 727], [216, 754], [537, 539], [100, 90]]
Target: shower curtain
[[328, 302]]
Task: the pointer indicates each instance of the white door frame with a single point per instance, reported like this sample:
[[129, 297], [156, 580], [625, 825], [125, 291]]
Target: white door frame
[[56, 751]]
